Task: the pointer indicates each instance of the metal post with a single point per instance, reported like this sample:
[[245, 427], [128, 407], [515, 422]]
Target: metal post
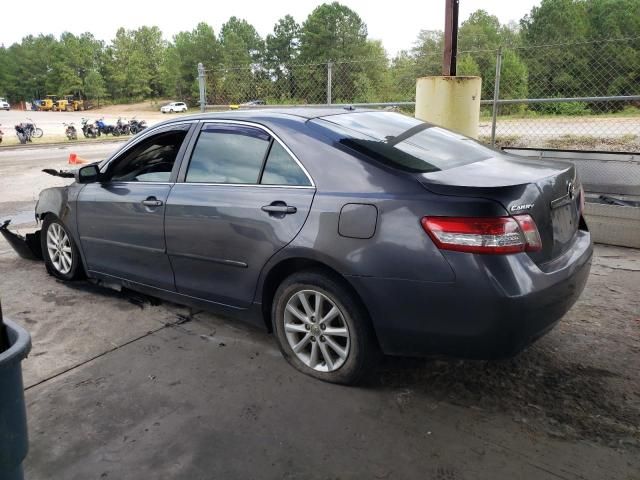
[[329, 80], [203, 89], [450, 37], [496, 96]]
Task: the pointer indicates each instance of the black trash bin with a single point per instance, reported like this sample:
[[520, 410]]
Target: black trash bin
[[14, 442]]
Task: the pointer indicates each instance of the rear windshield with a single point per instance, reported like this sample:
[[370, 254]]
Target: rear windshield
[[404, 142]]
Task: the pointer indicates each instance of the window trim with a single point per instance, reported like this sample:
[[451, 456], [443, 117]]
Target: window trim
[[184, 166], [128, 146]]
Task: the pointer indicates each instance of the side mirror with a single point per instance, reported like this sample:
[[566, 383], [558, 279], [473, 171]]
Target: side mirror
[[88, 174]]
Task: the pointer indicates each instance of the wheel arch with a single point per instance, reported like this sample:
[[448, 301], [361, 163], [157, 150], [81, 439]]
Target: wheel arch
[[288, 266]]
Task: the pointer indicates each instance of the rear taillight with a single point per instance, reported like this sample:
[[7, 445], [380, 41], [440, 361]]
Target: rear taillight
[[484, 235]]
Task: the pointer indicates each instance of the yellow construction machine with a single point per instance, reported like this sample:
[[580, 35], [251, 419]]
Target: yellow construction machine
[[48, 103]]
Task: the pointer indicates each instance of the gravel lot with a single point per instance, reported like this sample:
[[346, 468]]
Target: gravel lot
[[119, 384]]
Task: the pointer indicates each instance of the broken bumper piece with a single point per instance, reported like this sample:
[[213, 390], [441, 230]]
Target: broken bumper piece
[[27, 247]]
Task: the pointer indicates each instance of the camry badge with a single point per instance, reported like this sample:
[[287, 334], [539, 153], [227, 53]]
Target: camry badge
[[520, 208]]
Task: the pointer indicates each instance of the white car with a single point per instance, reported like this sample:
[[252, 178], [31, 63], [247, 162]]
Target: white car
[[174, 107], [4, 105]]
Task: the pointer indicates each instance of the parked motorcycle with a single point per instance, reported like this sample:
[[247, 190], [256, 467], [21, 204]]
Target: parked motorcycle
[[123, 127], [35, 131], [70, 131], [24, 132], [106, 129], [89, 130], [136, 126], [27, 130]]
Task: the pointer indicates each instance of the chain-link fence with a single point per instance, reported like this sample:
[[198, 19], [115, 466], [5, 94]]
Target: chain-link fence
[[582, 96]]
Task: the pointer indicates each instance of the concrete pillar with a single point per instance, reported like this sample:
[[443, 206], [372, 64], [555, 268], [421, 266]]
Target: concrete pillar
[[450, 102]]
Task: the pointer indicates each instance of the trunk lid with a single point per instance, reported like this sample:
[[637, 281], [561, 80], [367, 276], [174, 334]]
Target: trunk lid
[[548, 191]]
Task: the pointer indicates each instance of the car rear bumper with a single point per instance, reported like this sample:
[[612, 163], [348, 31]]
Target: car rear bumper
[[497, 306]]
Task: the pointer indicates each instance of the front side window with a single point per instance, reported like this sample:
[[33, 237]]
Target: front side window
[[228, 154], [151, 160]]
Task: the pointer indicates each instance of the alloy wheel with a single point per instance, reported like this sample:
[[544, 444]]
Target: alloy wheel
[[316, 330], [59, 248]]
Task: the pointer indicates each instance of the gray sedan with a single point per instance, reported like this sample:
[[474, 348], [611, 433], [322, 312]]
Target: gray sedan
[[346, 233]]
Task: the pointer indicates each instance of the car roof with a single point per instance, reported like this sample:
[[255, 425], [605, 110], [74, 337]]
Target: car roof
[[266, 114]]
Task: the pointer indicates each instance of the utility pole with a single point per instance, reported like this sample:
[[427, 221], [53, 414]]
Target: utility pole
[[202, 87], [450, 37]]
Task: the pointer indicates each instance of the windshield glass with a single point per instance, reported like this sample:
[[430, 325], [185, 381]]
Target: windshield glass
[[404, 142]]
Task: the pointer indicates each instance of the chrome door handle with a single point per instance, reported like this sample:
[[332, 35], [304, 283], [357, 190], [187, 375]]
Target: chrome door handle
[[286, 209], [152, 202]]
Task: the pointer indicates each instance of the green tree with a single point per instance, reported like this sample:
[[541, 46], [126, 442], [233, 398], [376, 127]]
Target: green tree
[[282, 50], [148, 40], [94, 86], [332, 32], [128, 74], [556, 70], [179, 68]]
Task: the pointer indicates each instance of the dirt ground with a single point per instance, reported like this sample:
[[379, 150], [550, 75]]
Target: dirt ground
[[118, 384]]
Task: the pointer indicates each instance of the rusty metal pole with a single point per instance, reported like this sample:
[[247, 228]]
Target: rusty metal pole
[[450, 37]]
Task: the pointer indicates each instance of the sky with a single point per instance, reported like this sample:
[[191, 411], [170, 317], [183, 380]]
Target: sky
[[395, 22]]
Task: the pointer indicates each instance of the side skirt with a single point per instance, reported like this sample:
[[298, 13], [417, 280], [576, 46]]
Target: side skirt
[[251, 315]]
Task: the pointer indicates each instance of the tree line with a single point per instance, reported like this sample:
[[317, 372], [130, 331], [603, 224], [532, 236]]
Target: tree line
[[289, 65]]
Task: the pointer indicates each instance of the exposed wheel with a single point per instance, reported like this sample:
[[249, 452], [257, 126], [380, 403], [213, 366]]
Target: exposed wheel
[[171, 111], [321, 329], [59, 251], [38, 133]]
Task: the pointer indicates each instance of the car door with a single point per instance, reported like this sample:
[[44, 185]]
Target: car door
[[240, 198], [121, 218]]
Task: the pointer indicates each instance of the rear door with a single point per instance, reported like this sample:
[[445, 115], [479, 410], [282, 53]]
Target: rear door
[[121, 219], [240, 198]]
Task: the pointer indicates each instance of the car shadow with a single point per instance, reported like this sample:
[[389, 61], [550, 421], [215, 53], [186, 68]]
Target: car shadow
[[538, 388]]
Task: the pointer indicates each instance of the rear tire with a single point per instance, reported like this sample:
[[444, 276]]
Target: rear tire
[[61, 256], [322, 330]]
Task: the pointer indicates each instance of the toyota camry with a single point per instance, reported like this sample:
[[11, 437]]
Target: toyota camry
[[344, 232]]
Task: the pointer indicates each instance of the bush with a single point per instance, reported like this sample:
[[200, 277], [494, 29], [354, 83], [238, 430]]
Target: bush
[[562, 108]]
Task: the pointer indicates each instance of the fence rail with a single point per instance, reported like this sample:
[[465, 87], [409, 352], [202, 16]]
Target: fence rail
[[581, 96]]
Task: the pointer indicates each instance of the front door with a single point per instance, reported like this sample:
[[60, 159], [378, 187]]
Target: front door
[[243, 197], [121, 219]]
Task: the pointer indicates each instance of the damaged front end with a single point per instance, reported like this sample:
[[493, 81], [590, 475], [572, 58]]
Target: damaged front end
[[27, 246], [51, 200]]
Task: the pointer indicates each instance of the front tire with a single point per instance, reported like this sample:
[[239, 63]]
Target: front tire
[[38, 133], [321, 328], [61, 256]]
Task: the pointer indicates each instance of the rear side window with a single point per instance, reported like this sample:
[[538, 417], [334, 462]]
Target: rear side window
[[228, 154], [404, 142], [282, 169]]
